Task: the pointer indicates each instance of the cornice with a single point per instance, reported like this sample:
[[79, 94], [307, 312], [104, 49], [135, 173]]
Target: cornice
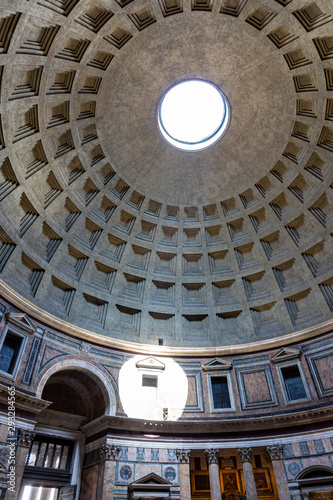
[[53, 322], [24, 401], [208, 427]]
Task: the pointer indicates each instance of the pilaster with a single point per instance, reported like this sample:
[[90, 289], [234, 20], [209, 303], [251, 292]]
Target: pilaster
[[276, 452], [184, 457]]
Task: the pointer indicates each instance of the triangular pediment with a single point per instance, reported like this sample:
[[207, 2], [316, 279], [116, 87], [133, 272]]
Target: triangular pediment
[[150, 363], [285, 353], [217, 364], [151, 479], [22, 321]]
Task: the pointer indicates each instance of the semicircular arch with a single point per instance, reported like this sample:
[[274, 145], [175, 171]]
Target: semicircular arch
[[97, 375]]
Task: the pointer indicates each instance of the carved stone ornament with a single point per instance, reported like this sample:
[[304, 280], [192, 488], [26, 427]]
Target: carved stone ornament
[[25, 437], [245, 454], [85, 347], [109, 452], [275, 451], [212, 456], [183, 456]]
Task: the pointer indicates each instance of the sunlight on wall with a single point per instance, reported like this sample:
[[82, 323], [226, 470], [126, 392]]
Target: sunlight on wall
[[147, 391], [39, 493]]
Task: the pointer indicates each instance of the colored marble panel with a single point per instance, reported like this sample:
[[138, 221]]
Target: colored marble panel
[[256, 387], [89, 483], [324, 368]]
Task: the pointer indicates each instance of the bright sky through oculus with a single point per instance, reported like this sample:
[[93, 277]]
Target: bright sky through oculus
[[193, 115]]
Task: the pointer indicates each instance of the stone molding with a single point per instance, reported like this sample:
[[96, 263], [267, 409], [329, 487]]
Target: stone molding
[[212, 456], [245, 454], [275, 451], [263, 422], [24, 401], [25, 437], [21, 321], [183, 456], [109, 452]]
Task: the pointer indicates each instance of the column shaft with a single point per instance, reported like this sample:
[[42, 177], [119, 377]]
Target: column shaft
[[214, 481], [250, 485]]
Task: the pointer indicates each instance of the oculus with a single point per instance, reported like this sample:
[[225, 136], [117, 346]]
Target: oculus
[[193, 115]]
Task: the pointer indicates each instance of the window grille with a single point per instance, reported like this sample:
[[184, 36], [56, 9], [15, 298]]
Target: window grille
[[50, 454]]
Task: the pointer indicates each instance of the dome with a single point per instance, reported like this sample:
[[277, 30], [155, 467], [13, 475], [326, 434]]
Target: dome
[[107, 230]]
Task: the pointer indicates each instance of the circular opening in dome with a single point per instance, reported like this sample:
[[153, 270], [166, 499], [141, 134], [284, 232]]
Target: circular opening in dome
[[193, 115]]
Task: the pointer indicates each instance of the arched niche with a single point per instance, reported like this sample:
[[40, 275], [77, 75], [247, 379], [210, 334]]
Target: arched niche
[[77, 387], [316, 483]]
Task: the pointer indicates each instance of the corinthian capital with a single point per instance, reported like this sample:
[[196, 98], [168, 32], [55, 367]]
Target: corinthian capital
[[25, 437], [275, 451], [183, 456], [245, 454], [212, 456], [108, 452]]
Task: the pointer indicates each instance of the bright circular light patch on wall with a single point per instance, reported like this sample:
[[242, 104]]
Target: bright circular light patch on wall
[[193, 115], [153, 388]]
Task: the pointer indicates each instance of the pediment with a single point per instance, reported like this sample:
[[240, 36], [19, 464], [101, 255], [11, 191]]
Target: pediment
[[285, 353], [149, 480], [217, 364], [22, 321], [151, 363]]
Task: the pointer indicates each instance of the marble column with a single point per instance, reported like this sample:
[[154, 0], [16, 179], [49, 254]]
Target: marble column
[[24, 439], [184, 457], [214, 474], [275, 452], [107, 472], [250, 485]]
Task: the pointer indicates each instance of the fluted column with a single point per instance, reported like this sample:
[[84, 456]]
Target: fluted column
[[214, 475], [275, 452], [107, 472], [23, 442], [184, 457], [250, 485]]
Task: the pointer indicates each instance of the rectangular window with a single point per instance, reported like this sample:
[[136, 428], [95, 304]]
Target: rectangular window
[[149, 381], [293, 382], [10, 353], [220, 392]]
